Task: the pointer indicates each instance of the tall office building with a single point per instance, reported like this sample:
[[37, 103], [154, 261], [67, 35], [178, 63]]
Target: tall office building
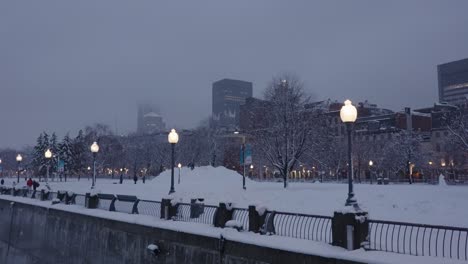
[[228, 95], [453, 82], [149, 119]]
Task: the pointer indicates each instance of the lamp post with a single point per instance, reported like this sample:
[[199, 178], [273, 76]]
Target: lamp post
[[19, 158], [94, 150], [179, 166], [48, 155], [371, 163], [348, 115], [173, 138], [1, 169], [243, 158], [432, 171]]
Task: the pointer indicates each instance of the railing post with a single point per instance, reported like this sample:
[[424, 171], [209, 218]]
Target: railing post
[[168, 211], [350, 229], [91, 202], [222, 215], [256, 221]]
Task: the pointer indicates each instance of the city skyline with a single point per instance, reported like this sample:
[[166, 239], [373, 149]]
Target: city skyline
[[92, 68]]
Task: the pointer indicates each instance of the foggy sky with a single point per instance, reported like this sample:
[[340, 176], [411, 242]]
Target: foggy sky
[[67, 64]]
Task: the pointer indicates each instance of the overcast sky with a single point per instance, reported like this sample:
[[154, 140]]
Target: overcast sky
[[66, 64]]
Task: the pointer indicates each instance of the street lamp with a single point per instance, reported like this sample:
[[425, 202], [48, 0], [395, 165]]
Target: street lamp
[[243, 157], [1, 169], [94, 150], [348, 115], [18, 160], [173, 138], [371, 163], [179, 166], [48, 155]]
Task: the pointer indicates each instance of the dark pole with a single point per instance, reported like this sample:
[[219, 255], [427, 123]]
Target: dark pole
[[172, 169], [243, 163], [18, 171], [351, 201], [179, 177], [370, 174], [94, 170]]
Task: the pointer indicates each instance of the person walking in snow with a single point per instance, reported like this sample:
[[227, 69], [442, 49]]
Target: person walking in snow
[[121, 178], [2, 182], [35, 184], [29, 183], [135, 179]]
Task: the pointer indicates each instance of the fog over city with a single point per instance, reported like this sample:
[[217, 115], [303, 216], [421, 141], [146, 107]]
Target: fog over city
[[68, 64]]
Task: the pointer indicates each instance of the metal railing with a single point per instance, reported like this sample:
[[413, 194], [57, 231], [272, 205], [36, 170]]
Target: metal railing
[[418, 239], [241, 215], [389, 236], [195, 212], [146, 207], [303, 226]]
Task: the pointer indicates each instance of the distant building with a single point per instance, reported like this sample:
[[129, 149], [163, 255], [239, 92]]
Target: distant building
[[228, 95], [453, 81], [149, 121]]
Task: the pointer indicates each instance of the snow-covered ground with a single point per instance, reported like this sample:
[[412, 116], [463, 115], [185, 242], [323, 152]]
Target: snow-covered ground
[[428, 204]]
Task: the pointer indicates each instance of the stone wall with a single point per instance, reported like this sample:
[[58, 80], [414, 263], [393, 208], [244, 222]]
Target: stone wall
[[32, 234]]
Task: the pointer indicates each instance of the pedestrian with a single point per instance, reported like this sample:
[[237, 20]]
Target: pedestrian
[[144, 178], [35, 185], [2, 182], [121, 178], [29, 183], [135, 179]]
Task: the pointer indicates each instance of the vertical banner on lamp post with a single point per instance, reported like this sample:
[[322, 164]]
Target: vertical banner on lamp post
[[248, 155], [61, 166]]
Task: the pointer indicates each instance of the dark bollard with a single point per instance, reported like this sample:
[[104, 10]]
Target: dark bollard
[[91, 202], [350, 230], [168, 211], [256, 221], [196, 207], [222, 215]]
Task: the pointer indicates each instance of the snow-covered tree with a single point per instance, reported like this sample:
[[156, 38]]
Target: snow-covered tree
[[288, 126]]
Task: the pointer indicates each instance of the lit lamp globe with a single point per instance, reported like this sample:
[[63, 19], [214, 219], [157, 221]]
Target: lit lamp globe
[[179, 165], [371, 163], [94, 147], [48, 154], [19, 158], [348, 112], [173, 137]]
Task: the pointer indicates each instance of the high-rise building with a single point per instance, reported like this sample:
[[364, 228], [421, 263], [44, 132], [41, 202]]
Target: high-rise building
[[453, 81], [228, 95], [149, 119]]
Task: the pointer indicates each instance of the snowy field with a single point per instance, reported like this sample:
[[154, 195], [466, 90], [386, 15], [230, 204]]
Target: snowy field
[[428, 204]]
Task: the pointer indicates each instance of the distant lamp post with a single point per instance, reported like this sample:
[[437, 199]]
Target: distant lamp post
[[94, 150], [19, 158], [371, 163], [1, 169], [179, 166], [243, 157], [348, 115], [173, 138], [48, 156]]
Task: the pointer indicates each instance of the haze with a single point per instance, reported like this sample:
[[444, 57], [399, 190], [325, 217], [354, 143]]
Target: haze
[[67, 64]]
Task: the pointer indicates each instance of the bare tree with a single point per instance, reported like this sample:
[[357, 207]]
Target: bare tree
[[284, 140]]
